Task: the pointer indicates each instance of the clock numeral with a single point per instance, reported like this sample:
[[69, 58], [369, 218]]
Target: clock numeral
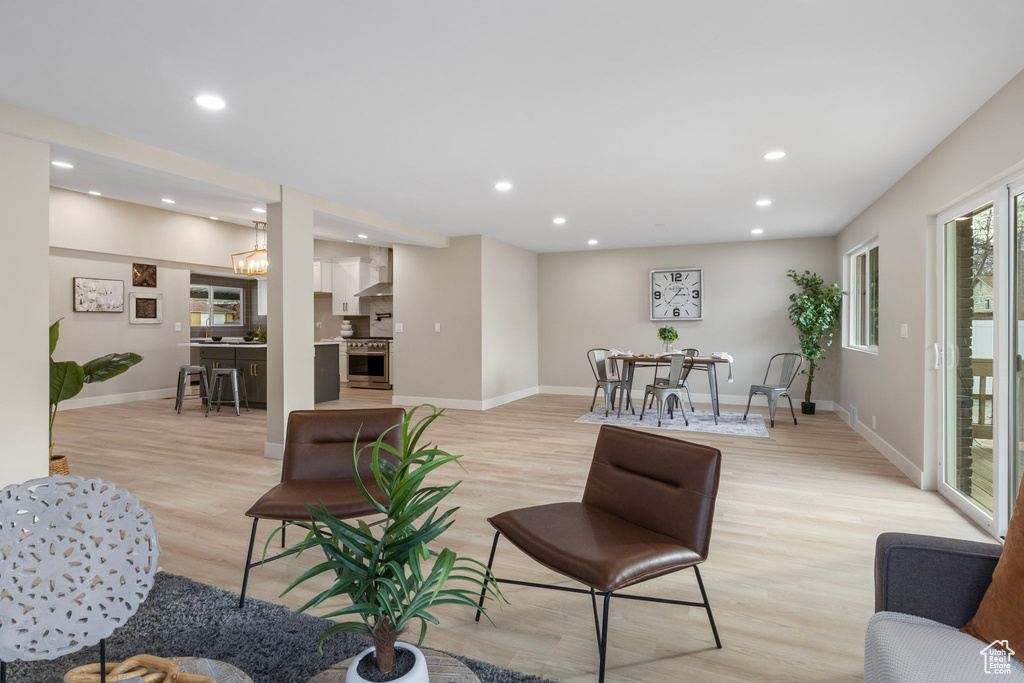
[[657, 296], [696, 294], [675, 312], [677, 277]]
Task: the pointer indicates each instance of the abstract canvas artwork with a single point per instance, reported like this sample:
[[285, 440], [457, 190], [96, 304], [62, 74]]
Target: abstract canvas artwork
[[94, 295], [143, 275], [145, 309]]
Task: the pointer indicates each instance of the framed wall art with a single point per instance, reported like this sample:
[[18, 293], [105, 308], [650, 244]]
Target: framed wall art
[[96, 295], [143, 275], [145, 309]]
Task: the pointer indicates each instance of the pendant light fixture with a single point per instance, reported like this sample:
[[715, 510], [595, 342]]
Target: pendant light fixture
[[253, 262]]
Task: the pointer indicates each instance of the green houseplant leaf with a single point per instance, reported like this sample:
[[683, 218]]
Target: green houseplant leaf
[[54, 335], [66, 380], [388, 572], [111, 365]]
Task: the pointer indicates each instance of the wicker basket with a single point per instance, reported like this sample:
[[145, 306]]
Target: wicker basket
[[59, 465]]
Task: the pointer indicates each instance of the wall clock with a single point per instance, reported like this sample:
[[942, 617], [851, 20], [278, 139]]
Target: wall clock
[[677, 294]]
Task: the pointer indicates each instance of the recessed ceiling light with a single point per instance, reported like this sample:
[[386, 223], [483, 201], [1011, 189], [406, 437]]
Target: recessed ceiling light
[[94, 193], [756, 231], [560, 220], [258, 209], [211, 102], [503, 186], [214, 218], [61, 164], [167, 200], [591, 242], [764, 202], [774, 155], [350, 240], [362, 237], [659, 225]]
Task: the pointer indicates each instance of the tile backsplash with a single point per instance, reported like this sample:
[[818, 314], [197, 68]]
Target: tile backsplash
[[250, 321]]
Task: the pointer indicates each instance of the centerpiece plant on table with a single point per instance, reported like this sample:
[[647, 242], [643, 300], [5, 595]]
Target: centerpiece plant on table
[[388, 571], [668, 334]]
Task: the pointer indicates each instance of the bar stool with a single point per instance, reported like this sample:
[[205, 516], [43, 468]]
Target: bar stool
[[220, 376], [185, 373]]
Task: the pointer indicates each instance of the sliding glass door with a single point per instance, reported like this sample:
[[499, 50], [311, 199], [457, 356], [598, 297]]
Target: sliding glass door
[[969, 399]]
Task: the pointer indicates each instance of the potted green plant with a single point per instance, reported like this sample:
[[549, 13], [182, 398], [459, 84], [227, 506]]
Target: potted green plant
[[668, 335], [814, 311], [68, 378], [389, 573]]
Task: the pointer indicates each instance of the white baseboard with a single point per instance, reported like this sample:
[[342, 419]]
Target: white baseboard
[[110, 399], [274, 451], [464, 404], [508, 398], [723, 399], [902, 463]]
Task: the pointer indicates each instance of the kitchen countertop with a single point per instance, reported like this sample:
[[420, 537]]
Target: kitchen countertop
[[244, 345]]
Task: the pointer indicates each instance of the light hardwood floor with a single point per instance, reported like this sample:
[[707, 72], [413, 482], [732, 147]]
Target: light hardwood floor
[[789, 575]]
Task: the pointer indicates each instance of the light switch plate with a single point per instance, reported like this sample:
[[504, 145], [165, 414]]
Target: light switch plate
[[904, 330], [177, 327], [399, 328], [437, 327]]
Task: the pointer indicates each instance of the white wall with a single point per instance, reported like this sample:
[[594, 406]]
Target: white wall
[[510, 322], [897, 385], [439, 286], [24, 179], [85, 336], [601, 298]]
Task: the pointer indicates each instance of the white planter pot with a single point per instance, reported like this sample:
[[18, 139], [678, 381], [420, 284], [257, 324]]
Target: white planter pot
[[418, 673]]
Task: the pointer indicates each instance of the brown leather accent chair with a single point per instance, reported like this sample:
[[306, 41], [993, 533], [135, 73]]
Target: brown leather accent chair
[[317, 469], [647, 511]]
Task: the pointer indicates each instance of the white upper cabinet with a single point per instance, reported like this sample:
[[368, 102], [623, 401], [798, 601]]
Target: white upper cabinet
[[351, 275], [323, 276]]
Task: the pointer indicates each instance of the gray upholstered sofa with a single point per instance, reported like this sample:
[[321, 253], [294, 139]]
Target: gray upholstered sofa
[[926, 588]]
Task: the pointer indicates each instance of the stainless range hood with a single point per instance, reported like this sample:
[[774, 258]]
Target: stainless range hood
[[382, 288]]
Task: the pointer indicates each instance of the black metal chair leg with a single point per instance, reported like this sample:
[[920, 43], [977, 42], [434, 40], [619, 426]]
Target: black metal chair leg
[[604, 637], [103, 661], [3, 672], [597, 622], [283, 527], [248, 562], [490, 563], [707, 606]]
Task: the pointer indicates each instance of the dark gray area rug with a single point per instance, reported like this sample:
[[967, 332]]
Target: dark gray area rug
[[182, 617]]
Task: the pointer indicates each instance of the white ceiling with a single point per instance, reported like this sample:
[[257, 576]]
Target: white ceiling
[[618, 115]]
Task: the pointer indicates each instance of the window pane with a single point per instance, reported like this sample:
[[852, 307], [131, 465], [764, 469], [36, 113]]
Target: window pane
[[227, 306], [873, 298], [199, 305], [969, 399], [860, 295]]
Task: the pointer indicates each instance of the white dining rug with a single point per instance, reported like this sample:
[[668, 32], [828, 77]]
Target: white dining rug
[[732, 424]]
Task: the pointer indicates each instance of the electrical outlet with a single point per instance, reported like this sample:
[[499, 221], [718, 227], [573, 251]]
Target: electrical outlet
[[399, 328], [177, 327], [874, 425], [904, 330], [437, 327], [319, 325]]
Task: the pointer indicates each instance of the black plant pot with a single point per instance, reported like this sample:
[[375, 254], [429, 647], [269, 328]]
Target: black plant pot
[[807, 408]]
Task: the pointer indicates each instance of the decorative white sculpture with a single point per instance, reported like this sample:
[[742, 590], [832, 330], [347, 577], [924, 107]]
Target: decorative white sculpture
[[77, 558]]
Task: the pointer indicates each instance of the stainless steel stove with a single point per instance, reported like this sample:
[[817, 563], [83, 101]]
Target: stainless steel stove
[[368, 363]]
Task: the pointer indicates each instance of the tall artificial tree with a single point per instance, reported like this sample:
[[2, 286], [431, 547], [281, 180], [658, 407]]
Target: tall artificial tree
[[814, 311]]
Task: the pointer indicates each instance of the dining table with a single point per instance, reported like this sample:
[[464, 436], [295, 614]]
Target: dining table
[[701, 363]]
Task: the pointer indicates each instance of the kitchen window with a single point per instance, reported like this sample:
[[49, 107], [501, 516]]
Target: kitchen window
[[862, 283], [212, 305]]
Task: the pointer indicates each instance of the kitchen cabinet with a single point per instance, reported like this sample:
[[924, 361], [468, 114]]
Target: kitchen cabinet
[[326, 378], [323, 276], [351, 275], [261, 296], [252, 366], [251, 363]]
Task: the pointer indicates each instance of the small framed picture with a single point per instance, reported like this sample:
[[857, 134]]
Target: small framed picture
[[95, 295], [145, 309], [143, 275]]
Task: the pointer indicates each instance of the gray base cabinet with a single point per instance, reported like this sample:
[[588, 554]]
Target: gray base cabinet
[[252, 370]]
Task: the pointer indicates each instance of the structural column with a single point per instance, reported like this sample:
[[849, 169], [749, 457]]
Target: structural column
[[289, 313], [25, 234]]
